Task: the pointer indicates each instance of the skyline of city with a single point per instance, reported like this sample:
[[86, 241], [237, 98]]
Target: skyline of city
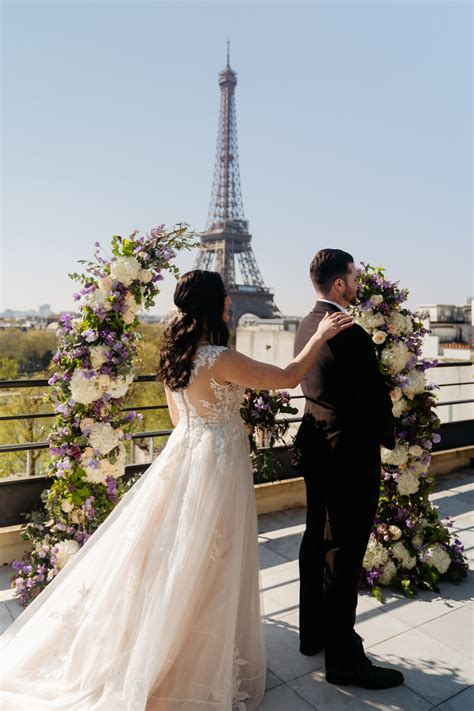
[[83, 167]]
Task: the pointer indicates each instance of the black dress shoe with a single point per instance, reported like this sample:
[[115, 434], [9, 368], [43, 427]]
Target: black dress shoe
[[311, 651], [366, 675]]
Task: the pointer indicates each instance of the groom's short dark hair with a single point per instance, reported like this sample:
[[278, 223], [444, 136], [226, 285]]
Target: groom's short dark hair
[[327, 266]]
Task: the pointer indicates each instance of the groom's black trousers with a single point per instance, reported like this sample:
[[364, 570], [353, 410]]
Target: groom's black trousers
[[342, 485]]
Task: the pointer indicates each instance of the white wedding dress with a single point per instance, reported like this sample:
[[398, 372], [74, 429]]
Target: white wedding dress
[[159, 610]]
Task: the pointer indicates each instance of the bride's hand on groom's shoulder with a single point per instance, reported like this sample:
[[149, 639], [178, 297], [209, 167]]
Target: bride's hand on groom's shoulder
[[332, 324]]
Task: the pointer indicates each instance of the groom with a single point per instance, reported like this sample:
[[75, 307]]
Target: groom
[[348, 415]]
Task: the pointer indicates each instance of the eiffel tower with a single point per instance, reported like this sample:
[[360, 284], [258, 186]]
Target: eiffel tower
[[226, 240]]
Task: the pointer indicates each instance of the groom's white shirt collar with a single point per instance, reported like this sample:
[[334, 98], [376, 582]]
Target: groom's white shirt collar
[[334, 303]]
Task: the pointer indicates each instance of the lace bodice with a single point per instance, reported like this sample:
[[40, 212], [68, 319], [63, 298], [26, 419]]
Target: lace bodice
[[204, 400]]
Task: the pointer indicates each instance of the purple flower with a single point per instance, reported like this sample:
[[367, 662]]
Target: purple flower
[[436, 438], [90, 335]]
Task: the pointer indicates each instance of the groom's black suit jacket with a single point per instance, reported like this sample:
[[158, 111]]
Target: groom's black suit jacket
[[345, 391], [348, 415]]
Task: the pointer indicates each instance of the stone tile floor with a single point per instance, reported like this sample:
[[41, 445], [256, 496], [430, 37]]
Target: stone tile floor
[[429, 638]]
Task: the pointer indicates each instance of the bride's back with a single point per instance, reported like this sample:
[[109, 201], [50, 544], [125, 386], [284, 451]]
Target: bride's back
[[205, 399]]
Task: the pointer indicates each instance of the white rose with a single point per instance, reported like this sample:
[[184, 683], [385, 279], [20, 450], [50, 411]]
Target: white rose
[[407, 483], [396, 394], [65, 551], [376, 299], [145, 275], [125, 270], [395, 532], [103, 437], [437, 557], [66, 506], [128, 316], [415, 450], [403, 556], [84, 390], [379, 337], [387, 573], [98, 356], [417, 541], [105, 284]]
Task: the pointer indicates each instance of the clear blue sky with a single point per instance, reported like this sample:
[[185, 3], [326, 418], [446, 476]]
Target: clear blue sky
[[354, 131]]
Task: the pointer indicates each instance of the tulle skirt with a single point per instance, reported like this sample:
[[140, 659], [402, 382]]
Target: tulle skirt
[[160, 609]]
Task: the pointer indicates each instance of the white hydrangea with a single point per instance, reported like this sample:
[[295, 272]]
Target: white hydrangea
[[118, 387], [395, 357], [98, 356], [438, 557], [125, 270], [84, 390], [65, 551], [402, 554], [103, 437], [415, 385], [375, 555], [369, 320], [419, 467], [387, 573], [379, 337], [399, 324], [98, 298], [408, 483], [397, 456]]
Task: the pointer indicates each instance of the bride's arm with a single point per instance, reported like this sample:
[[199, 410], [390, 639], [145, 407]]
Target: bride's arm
[[234, 367], [172, 409]]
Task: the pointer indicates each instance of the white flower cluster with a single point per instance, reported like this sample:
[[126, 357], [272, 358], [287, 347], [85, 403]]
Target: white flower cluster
[[408, 483], [97, 470], [399, 324], [369, 320], [397, 457], [437, 556], [65, 551], [86, 386], [125, 270], [103, 437], [403, 556], [376, 554], [98, 356], [387, 573], [415, 385], [395, 357]]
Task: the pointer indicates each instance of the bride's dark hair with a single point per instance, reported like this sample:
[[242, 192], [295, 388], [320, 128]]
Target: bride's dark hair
[[200, 297]]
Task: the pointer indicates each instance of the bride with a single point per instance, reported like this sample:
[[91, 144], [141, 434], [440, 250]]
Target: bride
[[159, 610]]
